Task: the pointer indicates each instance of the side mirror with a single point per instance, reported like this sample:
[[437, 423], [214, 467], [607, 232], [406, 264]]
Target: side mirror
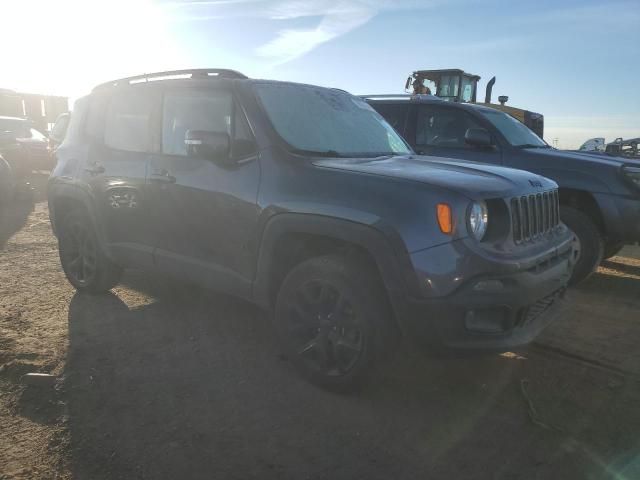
[[210, 145], [478, 137]]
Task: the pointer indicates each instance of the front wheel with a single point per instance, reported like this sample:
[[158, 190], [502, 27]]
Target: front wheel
[[591, 244], [331, 313], [84, 263]]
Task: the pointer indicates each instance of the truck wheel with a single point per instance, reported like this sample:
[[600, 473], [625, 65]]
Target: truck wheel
[[612, 249], [331, 313], [590, 242], [84, 263]]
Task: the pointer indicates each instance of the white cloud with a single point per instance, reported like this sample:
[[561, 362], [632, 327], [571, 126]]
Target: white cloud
[[337, 18], [293, 43]]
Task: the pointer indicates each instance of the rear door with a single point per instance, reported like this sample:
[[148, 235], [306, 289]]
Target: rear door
[[120, 126], [205, 212], [440, 131]]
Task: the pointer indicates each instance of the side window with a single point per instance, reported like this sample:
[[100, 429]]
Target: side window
[[443, 127], [395, 115], [128, 124], [76, 123], [96, 117], [60, 127], [209, 111]]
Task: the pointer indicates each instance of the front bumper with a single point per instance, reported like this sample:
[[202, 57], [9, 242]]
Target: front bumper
[[493, 311]]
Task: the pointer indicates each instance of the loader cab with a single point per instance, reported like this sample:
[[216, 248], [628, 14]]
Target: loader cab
[[452, 85]]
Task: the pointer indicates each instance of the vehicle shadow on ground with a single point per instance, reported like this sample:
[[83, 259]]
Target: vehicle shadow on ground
[[608, 285], [191, 385], [13, 216]]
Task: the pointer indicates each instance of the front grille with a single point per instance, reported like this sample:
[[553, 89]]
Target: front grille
[[534, 215]]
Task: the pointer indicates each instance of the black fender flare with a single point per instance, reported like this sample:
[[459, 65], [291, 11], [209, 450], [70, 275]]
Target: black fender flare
[[378, 244], [79, 196]]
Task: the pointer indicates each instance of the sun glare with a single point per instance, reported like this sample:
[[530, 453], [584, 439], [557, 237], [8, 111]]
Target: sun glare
[[68, 46]]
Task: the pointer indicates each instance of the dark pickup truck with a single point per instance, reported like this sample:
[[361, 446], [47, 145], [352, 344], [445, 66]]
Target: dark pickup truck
[[306, 202], [599, 194]]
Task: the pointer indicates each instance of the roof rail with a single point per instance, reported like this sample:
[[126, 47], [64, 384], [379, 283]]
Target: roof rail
[[393, 95], [171, 74], [406, 96]]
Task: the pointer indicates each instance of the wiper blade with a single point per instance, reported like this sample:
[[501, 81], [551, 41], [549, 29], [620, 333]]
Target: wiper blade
[[531, 145], [319, 153]]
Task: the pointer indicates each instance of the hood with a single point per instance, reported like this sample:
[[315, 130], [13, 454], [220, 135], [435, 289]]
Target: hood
[[569, 157], [474, 180]]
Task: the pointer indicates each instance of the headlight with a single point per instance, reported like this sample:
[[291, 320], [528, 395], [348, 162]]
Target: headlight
[[633, 174], [478, 220]]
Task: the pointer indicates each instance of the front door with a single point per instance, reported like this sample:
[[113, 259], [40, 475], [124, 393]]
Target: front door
[[205, 212], [440, 131]]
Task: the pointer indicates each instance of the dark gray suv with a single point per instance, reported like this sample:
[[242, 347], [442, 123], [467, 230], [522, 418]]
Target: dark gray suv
[[599, 194], [305, 201]]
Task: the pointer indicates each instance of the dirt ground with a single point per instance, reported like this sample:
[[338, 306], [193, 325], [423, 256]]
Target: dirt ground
[[159, 381]]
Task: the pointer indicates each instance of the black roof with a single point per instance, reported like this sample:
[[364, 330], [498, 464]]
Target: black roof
[[434, 74], [423, 99]]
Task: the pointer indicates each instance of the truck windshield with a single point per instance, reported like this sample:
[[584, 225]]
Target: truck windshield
[[516, 133], [327, 122]]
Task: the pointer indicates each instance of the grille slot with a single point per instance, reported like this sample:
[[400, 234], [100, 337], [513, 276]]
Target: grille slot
[[534, 215]]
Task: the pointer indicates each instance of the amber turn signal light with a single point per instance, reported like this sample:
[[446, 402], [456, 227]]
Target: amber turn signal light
[[445, 218]]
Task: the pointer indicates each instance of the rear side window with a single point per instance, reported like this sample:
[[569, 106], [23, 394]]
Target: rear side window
[[59, 130], [128, 124], [209, 111], [74, 131], [395, 115], [96, 117]]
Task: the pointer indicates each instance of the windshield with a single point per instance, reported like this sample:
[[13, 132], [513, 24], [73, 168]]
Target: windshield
[[331, 122], [516, 133]]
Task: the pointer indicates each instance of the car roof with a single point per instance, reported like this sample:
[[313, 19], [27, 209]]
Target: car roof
[[423, 99], [195, 78]]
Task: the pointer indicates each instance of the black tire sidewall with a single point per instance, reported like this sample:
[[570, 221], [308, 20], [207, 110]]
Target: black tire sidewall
[[355, 281], [591, 242], [107, 273]]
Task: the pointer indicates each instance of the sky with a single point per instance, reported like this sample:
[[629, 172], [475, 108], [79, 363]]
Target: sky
[[574, 61]]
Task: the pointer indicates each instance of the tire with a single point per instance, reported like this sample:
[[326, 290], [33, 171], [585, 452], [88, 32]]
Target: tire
[[612, 249], [332, 317], [84, 263], [590, 240]]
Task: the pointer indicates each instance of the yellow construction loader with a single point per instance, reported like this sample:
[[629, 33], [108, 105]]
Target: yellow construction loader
[[456, 85]]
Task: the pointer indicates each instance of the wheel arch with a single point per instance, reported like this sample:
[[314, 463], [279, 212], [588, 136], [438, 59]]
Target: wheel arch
[[585, 202], [66, 198], [290, 238]]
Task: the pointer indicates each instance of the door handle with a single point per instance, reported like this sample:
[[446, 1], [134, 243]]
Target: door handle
[[162, 176], [94, 169]]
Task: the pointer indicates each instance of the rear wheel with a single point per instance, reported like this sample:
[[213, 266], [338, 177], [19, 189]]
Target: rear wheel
[[591, 244], [84, 263], [331, 313]]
